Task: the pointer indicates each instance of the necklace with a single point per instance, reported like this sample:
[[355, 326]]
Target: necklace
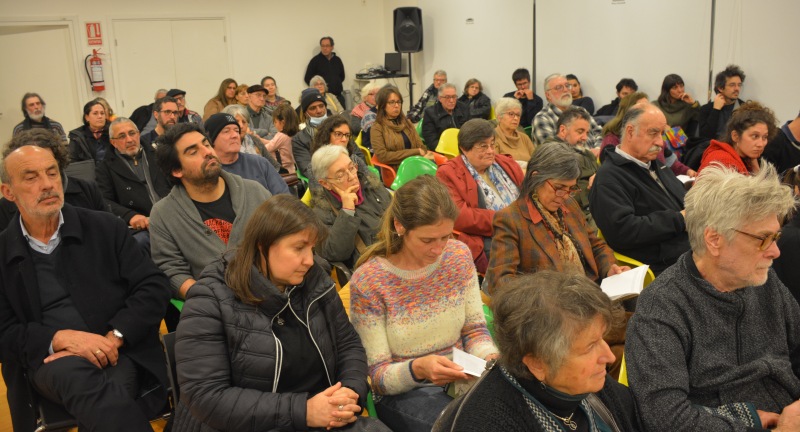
[[567, 420]]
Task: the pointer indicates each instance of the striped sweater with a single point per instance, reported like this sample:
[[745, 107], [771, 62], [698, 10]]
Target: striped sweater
[[402, 315]]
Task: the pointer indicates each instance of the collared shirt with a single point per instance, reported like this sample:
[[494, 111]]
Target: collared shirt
[[544, 126], [38, 246], [622, 153], [648, 166]]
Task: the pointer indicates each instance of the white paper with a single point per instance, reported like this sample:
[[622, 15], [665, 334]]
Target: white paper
[[684, 178], [472, 365], [629, 282]]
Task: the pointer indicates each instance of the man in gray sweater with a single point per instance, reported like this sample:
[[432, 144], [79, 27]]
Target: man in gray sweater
[[714, 344], [205, 213]]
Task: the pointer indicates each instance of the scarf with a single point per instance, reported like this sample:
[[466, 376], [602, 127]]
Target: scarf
[[394, 141], [566, 245], [506, 193]]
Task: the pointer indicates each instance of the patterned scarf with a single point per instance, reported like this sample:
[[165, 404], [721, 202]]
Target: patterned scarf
[[506, 193], [566, 245]]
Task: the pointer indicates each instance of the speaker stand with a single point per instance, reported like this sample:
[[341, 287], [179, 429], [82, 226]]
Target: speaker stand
[[411, 100]]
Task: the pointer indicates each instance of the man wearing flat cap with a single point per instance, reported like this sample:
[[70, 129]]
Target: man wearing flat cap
[[185, 115], [260, 120]]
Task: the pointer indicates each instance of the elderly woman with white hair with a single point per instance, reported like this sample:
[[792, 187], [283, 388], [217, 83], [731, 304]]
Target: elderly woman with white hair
[[508, 138], [333, 103], [551, 373], [368, 93], [349, 201]]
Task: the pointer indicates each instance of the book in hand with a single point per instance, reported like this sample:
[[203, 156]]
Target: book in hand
[[472, 365], [626, 284]]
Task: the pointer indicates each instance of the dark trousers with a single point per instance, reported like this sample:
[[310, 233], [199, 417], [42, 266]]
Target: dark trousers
[[100, 399]]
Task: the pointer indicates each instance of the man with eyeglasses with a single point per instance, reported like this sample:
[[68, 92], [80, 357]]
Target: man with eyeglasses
[[329, 66], [165, 111], [636, 201], [448, 112], [130, 179], [428, 97], [185, 115], [559, 98], [714, 115], [715, 340]]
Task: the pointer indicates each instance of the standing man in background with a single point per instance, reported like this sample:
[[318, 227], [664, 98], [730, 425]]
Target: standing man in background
[[329, 66]]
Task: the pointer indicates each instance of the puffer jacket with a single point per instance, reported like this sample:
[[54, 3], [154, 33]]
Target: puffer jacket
[[228, 357]]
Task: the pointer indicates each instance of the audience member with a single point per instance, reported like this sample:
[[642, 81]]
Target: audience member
[[185, 115], [242, 97], [558, 382], [559, 98], [250, 142], [272, 370], [77, 192], [368, 93], [578, 99], [336, 130], [531, 103], [165, 113], [714, 116], [33, 107], [625, 86], [90, 141], [480, 106], [206, 211], [332, 101], [635, 201], [573, 129], [723, 325], [260, 119], [509, 140], [286, 123], [273, 99], [329, 66], [414, 298], [446, 113], [679, 107], [80, 306], [110, 116], [392, 135], [225, 96], [428, 98], [349, 201], [313, 107], [224, 135], [785, 265], [783, 150], [747, 133], [143, 118]]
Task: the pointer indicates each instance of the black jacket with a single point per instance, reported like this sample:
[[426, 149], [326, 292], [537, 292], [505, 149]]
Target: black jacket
[[787, 266], [77, 192], [634, 214], [142, 115], [82, 144], [610, 109], [112, 282], [436, 120], [782, 152], [708, 119], [529, 108], [479, 107], [332, 70], [228, 357], [125, 194]]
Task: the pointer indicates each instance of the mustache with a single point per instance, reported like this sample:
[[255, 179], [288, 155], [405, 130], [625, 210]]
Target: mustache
[[48, 195], [654, 149]]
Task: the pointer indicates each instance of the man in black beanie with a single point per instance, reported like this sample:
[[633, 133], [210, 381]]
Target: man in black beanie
[[314, 109]]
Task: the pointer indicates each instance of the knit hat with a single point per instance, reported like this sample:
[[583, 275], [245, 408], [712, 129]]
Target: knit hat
[[257, 88], [309, 96], [216, 123], [175, 92]]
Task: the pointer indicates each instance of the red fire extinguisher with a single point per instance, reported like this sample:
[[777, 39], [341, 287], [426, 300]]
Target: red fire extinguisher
[[94, 70]]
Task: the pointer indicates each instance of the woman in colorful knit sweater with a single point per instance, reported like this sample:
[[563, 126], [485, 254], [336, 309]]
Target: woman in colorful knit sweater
[[415, 297]]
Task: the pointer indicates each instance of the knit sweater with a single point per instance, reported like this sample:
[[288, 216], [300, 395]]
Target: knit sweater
[[402, 315]]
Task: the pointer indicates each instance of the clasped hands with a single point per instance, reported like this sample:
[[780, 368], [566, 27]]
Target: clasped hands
[[101, 351]]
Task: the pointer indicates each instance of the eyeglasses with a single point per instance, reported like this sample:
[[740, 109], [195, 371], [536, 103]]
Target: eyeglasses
[[340, 135], [169, 113], [766, 240], [513, 114], [394, 102], [564, 191], [561, 87], [450, 97], [484, 147], [352, 169], [131, 134]]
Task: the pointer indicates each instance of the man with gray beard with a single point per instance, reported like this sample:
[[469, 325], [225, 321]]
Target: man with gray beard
[[33, 109], [559, 98]]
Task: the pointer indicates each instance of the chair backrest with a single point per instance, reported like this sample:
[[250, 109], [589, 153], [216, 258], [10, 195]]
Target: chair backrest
[[367, 154], [387, 173], [439, 158], [168, 340], [448, 143], [419, 130], [492, 114], [306, 199], [411, 168], [358, 139], [344, 294], [632, 263], [623, 372]]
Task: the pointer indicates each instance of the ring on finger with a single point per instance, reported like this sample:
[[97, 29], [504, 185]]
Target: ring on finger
[[339, 419], [341, 407], [98, 352]]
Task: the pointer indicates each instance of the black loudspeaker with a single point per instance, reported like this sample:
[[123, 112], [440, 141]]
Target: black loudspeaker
[[408, 29]]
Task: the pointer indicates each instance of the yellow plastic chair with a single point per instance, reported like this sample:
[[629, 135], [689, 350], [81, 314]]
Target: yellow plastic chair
[[623, 372], [630, 262], [492, 115], [358, 139], [448, 143], [306, 199]]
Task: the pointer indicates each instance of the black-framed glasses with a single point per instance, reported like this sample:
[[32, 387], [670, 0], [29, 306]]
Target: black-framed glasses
[[766, 240], [564, 191], [352, 169], [340, 135], [132, 134], [561, 87], [169, 113]]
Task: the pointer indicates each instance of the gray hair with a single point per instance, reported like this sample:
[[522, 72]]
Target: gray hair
[[551, 77], [541, 313], [120, 120], [633, 117], [552, 161], [709, 204], [161, 90], [317, 78], [324, 157], [445, 86], [506, 104], [368, 88], [473, 132], [440, 73], [239, 110], [571, 114]]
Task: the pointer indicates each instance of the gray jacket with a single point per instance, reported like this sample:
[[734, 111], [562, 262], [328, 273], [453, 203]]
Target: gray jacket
[[701, 359], [182, 245]]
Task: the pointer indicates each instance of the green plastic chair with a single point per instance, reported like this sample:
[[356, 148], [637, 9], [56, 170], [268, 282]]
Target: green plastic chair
[[178, 304], [529, 131], [411, 168], [489, 315], [419, 130], [448, 143]]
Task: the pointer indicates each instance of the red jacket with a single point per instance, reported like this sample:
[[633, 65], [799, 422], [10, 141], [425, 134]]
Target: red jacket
[[474, 223], [725, 154]]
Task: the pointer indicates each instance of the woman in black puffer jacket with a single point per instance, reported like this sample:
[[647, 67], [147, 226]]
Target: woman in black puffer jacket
[[264, 342]]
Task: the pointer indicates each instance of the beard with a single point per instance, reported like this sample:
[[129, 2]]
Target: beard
[[565, 100], [36, 116]]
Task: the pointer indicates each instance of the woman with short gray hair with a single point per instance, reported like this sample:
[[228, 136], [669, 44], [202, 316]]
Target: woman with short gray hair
[[551, 374], [510, 140], [319, 83]]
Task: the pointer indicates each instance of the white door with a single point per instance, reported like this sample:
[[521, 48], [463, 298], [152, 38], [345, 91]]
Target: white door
[[50, 72], [189, 54]]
